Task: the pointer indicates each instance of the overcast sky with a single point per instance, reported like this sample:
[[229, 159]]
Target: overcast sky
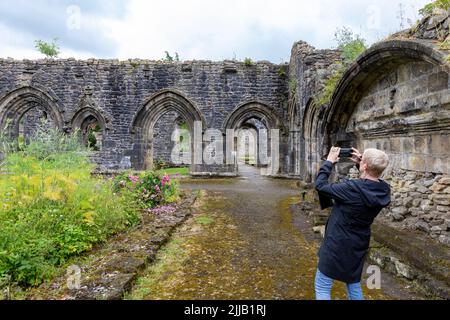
[[196, 29]]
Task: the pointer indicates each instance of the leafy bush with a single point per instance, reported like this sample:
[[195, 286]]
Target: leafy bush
[[50, 50], [52, 208], [148, 189], [325, 95], [351, 46], [282, 72], [248, 62], [169, 58], [438, 4]]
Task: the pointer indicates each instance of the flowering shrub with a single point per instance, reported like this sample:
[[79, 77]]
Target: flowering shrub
[[51, 208], [149, 189]]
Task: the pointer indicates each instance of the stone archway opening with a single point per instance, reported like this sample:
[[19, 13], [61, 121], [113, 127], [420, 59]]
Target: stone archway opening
[[92, 133], [250, 148], [171, 141], [257, 138], [164, 129], [26, 110], [92, 126]]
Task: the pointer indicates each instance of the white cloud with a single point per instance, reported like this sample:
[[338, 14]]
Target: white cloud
[[221, 29]]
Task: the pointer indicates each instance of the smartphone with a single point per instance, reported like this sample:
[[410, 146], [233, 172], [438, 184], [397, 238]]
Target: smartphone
[[346, 153]]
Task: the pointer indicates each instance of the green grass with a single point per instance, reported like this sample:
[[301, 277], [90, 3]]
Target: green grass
[[204, 220], [173, 171], [168, 260]]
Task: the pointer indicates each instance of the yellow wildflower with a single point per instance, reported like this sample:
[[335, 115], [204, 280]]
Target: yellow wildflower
[[89, 217]]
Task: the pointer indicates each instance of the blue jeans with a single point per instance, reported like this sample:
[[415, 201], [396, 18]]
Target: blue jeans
[[324, 284]]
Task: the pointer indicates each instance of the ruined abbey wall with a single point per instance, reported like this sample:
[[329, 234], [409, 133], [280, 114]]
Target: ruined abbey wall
[[395, 97], [70, 91]]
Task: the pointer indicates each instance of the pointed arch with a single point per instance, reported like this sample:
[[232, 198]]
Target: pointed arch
[[253, 109], [15, 104], [268, 118], [88, 107], [311, 141], [151, 111], [379, 60]]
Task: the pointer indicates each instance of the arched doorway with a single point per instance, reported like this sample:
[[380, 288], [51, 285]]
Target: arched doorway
[[153, 130], [93, 125], [26, 109], [247, 144], [171, 141], [256, 122]]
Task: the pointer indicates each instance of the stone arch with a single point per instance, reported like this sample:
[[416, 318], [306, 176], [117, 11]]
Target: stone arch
[[145, 119], [379, 60], [15, 104], [253, 109], [88, 116], [263, 113]]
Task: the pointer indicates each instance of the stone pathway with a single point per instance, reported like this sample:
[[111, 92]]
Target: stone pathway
[[244, 242]]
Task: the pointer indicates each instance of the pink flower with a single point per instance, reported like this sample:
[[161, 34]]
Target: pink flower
[[165, 179], [134, 179], [158, 190], [163, 210]]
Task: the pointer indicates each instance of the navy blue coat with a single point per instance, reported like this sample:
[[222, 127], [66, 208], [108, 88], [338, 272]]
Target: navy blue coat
[[355, 203]]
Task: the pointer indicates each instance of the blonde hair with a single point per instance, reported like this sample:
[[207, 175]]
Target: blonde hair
[[377, 161]]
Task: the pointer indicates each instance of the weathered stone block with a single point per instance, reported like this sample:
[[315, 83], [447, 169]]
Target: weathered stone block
[[437, 187], [423, 226]]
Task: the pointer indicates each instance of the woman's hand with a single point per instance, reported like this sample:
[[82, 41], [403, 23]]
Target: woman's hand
[[333, 156], [356, 156]]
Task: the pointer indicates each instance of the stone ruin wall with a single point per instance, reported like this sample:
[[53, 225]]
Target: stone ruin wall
[[396, 97], [416, 94], [117, 90]]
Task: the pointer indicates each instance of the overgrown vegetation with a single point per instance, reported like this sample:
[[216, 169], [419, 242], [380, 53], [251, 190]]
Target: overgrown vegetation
[[148, 189], [248, 62], [438, 4], [444, 45], [52, 208], [293, 83], [50, 50], [282, 72], [92, 137], [352, 46], [169, 58]]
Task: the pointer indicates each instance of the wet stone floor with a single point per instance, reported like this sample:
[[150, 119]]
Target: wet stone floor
[[241, 243]]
